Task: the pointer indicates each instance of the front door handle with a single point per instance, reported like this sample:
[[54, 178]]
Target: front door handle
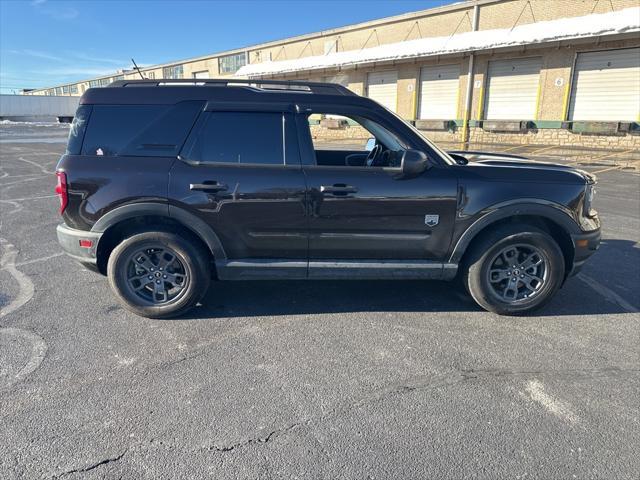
[[338, 189], [208, 186]]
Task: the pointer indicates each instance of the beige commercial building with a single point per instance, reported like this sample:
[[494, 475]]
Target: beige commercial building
[[563, 72]]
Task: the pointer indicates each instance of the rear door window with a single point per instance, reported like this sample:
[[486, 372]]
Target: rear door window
[[139, 130], [238, 138]]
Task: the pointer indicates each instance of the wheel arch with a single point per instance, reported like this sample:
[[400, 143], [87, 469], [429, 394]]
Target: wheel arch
[[554, 221], [128, 219]]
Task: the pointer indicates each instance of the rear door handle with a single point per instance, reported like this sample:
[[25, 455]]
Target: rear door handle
[[338, 189], [208, 186]]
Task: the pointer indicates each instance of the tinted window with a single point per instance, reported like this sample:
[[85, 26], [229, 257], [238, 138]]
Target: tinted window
[[238, 137], [165, 134], [78, 127], [139, 130]]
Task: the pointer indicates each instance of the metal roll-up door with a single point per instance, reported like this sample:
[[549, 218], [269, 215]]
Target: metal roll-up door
[[606, 86], [439, 87], [383, 88], [512, 89]]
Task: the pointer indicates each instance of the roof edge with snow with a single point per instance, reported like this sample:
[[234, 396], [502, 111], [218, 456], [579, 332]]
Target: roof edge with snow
[[594, 25]]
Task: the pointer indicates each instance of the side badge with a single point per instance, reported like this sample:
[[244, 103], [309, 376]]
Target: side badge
[[431, 220]]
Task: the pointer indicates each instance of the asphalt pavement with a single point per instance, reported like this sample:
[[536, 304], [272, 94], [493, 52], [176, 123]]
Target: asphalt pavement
[[353, 380]]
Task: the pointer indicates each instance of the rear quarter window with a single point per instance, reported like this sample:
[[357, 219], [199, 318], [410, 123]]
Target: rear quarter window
[[139, 130], [77, 130]]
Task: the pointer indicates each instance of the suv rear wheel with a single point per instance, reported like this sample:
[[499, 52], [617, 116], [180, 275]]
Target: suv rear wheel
[[514, 269], [158, 274]]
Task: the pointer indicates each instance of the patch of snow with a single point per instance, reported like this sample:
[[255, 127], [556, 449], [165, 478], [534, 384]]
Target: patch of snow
[[594, 25]]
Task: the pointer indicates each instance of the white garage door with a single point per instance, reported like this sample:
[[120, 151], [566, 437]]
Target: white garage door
[[383, 88], [606, 86], [512, 89], [439, 92]]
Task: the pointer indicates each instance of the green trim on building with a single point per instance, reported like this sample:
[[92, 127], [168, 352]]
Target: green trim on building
[[551, 124]]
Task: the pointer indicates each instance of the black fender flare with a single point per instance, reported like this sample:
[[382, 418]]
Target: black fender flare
[[187, 219], [554, 212]]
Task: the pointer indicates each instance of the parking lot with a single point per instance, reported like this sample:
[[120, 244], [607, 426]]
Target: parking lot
[[367, 379]]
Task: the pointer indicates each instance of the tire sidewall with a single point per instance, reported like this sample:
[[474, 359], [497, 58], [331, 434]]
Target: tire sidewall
[[481, 289], [189, 256]]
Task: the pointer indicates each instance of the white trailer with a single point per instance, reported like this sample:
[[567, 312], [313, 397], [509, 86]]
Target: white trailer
[[30, 108]]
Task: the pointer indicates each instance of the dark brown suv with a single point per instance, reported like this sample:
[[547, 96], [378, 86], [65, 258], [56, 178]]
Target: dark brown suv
[[168, 184]]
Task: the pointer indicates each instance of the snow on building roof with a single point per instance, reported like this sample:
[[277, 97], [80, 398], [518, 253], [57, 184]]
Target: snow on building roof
[[594, 25]]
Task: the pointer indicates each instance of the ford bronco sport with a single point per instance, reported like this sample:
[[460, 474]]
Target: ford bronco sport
[[166, 185]]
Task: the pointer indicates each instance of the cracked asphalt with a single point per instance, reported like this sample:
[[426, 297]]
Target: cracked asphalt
[[336, 380]]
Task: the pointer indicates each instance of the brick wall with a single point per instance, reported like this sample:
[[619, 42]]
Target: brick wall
[[334, 134], [543, 137]]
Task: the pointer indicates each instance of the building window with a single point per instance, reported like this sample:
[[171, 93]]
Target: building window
[[118, 77], [172, 72], [73, 89], [101, 82], [58, 90], [65, 90], [51, 92], [151, 75], [232, 63]]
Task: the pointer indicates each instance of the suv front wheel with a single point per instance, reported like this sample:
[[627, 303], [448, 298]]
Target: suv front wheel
[[514, 269], [158, 274]]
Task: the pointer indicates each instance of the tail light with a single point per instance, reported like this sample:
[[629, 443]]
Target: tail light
[[61, 190]]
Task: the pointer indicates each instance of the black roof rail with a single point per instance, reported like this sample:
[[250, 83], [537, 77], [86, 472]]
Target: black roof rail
[[266, 85]]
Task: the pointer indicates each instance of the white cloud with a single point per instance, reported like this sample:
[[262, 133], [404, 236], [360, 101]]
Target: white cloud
[[78, 70], [71, 66], [98, 59], [57, 12], [37, 54], [65, 13]]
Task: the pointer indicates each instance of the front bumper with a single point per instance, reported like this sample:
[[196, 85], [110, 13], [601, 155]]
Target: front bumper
[[69, 239], [584, 245]]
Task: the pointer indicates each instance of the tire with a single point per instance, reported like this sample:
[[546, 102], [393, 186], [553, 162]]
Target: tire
[[149, 284], [488, 271]]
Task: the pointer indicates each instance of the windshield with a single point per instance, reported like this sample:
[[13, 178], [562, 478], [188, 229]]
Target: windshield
[[447, 158]]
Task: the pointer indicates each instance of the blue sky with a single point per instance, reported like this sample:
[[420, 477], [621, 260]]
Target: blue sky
[[48, 42]]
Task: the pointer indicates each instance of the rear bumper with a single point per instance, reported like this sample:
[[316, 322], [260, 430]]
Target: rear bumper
[[69, 240], [585, 245]]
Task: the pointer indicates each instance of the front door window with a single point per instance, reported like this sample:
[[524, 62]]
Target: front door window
[[353, 141]]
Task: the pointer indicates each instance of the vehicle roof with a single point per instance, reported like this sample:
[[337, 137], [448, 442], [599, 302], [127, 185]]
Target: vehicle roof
[[166, 92]]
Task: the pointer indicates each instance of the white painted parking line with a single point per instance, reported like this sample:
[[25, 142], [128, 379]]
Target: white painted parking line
[[36, 164], [607, 293], [544, 149], [38, 352], [25, 285], [560, 409], [40, 259]]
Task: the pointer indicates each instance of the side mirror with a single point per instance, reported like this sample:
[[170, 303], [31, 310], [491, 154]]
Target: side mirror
[[414, 162], [370, 144]]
